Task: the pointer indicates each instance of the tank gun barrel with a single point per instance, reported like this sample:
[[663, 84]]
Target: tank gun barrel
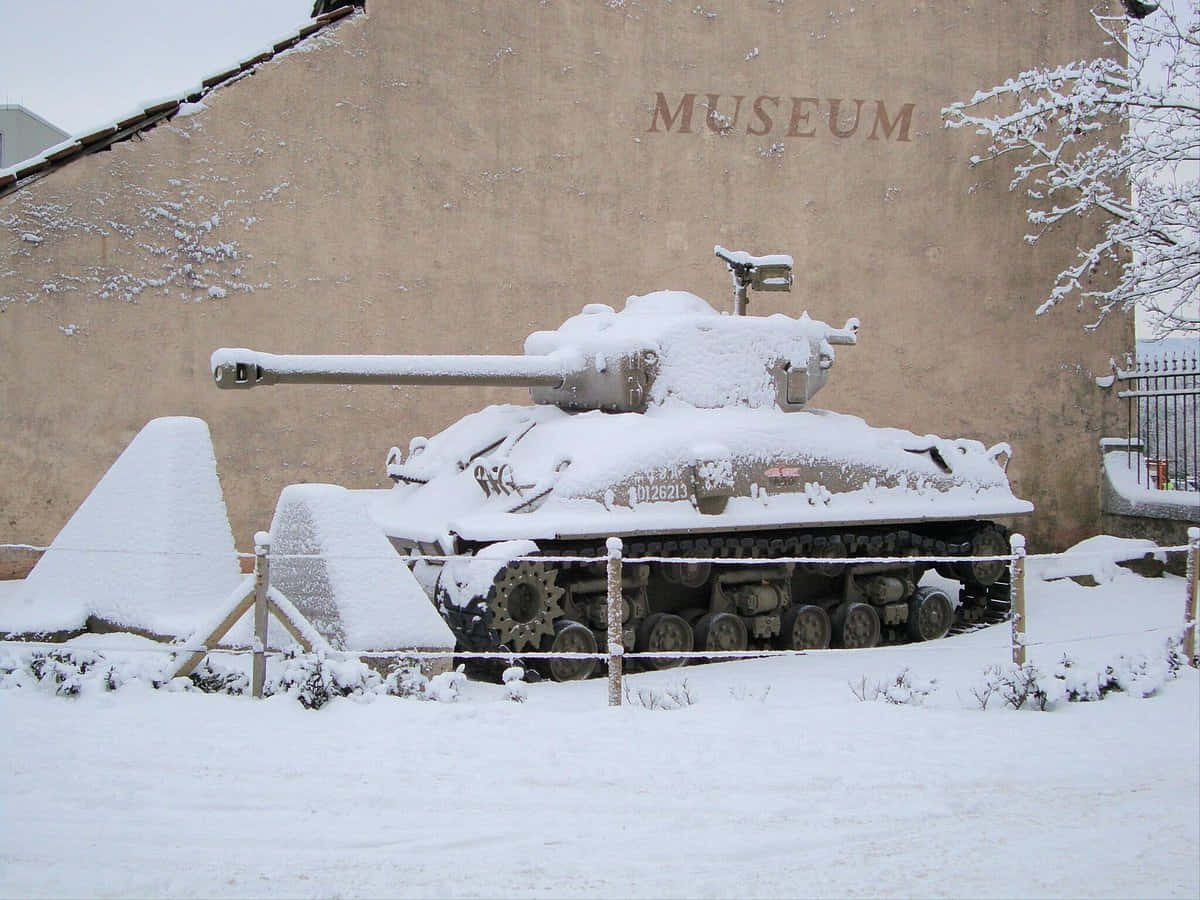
[[235, 368]]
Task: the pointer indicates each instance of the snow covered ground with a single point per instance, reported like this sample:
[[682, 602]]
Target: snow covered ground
[[776, 781]]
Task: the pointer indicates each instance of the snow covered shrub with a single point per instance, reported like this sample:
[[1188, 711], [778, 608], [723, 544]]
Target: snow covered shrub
[[71, 671], [1175, 657], [314, 680], [213, 678], [675, 696], [405, 680], [67, 670], [902, 690], [514, 684], [13, 673], [1015, 685], [741, 692], [444, 687], [1077, 686], [408, 681], [905, 689], [983, 689], [864, 690], [1139, 676]]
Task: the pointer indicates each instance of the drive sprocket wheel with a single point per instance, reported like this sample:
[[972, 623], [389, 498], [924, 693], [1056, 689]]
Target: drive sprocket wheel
[[525, 601]]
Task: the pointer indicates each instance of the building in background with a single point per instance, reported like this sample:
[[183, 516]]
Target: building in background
[[24, 134], [433, 178]]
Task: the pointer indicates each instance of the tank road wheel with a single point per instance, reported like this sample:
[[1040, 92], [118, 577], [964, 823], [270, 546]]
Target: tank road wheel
[[572, 637], [721, 631], [856, 626], [991, 541], [525, 600], [805, 627], [663, 632], [930, 614]]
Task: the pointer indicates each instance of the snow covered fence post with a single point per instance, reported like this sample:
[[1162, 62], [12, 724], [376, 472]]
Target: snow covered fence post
[[1193, 589], [1017, 542], [616, 622], [262, 581]]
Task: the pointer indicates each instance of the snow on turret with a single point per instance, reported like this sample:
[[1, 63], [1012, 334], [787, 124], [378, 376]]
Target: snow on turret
[[664, 346]]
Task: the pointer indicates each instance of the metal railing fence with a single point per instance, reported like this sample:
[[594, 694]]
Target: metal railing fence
[[1162, 415]]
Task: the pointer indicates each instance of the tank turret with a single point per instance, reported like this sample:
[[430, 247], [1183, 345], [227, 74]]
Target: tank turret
[[668, 345]]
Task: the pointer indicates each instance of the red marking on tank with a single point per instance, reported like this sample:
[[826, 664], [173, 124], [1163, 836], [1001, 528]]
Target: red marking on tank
[[784, 472]]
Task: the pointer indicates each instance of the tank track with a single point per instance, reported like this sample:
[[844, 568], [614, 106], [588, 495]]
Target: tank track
[[979, 606], [862, 542]]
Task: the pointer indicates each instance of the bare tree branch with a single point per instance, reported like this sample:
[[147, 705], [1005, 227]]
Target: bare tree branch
[[1116, 137]]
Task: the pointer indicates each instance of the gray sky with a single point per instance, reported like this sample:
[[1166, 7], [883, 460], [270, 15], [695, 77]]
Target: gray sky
[[80, 63]]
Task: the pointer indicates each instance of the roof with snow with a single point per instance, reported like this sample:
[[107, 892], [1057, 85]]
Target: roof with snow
[[137, 121]]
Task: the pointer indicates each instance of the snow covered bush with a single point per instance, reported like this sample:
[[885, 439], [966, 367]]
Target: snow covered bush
[[1015, 685], [12, 671], [67, 671], [903, 690], [742, 692], [445, 686], [314, 680], [514, 684], [213, 677], [676, 696], [405, 680], [1021, 686], [1140, 676], [1175, 657]]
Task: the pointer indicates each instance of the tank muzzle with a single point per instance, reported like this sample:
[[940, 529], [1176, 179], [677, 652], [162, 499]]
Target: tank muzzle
[[233, 374]]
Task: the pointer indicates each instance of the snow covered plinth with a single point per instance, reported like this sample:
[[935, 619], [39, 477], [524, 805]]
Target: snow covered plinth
[[343, 575], [149, 550]]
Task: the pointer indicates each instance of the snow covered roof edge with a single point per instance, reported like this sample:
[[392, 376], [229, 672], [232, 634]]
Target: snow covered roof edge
[[27, 171]]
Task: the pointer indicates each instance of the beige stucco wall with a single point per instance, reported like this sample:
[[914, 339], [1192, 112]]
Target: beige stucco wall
[[445, 177]]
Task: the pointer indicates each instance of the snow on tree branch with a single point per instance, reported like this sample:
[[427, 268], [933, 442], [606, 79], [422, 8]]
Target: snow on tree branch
[[1117, 137]]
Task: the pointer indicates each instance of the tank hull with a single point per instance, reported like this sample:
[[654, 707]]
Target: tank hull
[[738, 493], [538, 473]]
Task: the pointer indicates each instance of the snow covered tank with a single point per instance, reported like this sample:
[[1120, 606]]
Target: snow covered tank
[[689, 434]]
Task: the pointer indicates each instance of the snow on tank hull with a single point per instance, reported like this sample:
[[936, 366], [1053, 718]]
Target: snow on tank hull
[[513, 480], [551, 475]]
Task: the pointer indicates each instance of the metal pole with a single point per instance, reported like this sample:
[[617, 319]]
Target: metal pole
[[740, 298], [262, 580], [1017, 543], [1190, 608], [616, 622]]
